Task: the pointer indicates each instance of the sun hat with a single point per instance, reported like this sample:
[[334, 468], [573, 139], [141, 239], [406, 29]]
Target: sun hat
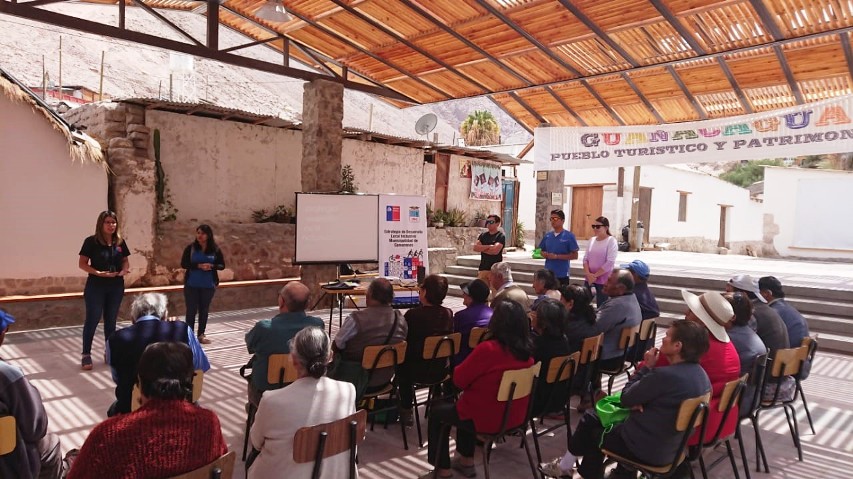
[[746, 283], [478, 290], [713, 310], [637, 266]]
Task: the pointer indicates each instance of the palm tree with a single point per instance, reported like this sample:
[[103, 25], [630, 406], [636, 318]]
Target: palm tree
[[480, 128]]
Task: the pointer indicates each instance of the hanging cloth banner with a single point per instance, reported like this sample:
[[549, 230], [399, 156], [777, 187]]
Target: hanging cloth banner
[[816, 128], [486, 181]]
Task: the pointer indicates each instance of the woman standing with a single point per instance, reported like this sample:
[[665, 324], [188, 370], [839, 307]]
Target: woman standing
[[599, 258], [202, 259], [104, 256]]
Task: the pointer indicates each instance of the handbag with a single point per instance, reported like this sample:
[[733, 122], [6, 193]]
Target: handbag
[[611, 412]]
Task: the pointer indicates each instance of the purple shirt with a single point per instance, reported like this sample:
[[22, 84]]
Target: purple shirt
[[476, 315], [601, 254]]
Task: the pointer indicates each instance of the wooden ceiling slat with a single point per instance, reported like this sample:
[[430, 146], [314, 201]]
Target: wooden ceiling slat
[[721, 104], [395, 16], [537, 67], [597, 117], [592, 25], [635, 114], [492, 75], [515, 110], [678, 25], [549, 22], [819, 61], [613, 14], [676, 109]]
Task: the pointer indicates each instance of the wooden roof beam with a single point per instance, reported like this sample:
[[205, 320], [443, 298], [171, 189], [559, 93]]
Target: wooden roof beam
[[604, 104], [578, 13], [692, 99], [165, 20], [510, 114], [535, 114], [389, 64], [848, 52], [679, 27], [789, 75], [251, 44], [565, 106], [420, 11], [767, 20], [741, 97], [643, 98], [409, 44], [213, 24], [525, 150], [530, 38]]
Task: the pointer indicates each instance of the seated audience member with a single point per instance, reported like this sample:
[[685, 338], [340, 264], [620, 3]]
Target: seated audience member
[[377, 324], [770, 289], [272, 336], [621, 310], [721, 362], [151, 325], [476, 314], [545, 285], [430, 319], [310, 400], [747, 343], [549, 341], [479, 377], [640, 272], [167, 436], [500, 280], [37, 453], [768, 324], [581, 317], [654, 393]]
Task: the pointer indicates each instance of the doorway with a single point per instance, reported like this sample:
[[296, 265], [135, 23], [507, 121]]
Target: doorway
[[509, 205], [586, 206]]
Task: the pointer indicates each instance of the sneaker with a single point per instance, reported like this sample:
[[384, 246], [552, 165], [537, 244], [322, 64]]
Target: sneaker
[[203, 340], [86, 362], [552, 469], [465, 470]]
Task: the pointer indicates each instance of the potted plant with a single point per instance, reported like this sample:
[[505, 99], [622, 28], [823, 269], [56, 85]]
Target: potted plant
[[480, 219], [438, 218], [455, 217]]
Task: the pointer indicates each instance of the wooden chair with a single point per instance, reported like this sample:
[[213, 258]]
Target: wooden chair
[[515, 384], [590, 354], [477, 336], [198, 382], [645, 340], [435, 347], [691, 416], [729, 399], [627, 339], [280, 371], [378, 360], [221, 468], [750, 400], [561, 373], [812, 345], [783, 362], [8, 434], [315, 443]]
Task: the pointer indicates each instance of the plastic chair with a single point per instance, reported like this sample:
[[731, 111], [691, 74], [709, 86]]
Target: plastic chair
[[375, 360], [8, 434], [280, 371], [221, 468], [315, 443], [561, 373], [627, 339], [435, 347], [198, 382], [515, 384], [691, 415], [728, 400]]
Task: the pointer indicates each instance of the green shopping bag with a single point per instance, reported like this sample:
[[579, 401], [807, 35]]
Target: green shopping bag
[[537, 254], [611, 412]]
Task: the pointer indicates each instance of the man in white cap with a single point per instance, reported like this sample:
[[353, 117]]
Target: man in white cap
[[768, 324]]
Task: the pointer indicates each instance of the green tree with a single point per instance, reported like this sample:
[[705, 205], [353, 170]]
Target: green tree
[[748, 173], [480, 128]]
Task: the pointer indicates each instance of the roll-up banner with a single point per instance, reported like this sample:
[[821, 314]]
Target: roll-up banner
[[816, 128], [403, 240]]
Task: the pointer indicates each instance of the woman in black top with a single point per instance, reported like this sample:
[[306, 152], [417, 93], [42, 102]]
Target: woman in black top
[[549, 341], [202, 259], [104, 256]]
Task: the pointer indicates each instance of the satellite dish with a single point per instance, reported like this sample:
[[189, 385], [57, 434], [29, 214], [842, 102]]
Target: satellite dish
[[426, 124]]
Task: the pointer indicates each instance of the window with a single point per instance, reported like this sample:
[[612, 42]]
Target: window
[[682, 205]]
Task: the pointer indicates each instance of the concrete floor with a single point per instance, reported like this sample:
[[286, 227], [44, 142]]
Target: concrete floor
[[76, 400]]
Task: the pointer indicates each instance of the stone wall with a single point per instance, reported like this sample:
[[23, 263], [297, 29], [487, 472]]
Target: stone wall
[[703, 245]]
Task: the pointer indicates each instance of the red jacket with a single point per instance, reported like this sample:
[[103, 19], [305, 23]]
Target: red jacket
[[161, 439], [722, 365], [479, 377]]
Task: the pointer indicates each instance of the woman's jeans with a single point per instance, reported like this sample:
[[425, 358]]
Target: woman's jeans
[[101, 300], [198, 301]]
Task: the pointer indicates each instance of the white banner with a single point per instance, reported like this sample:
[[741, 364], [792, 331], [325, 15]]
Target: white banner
[[402, 237], [816, 128], [486, 181]]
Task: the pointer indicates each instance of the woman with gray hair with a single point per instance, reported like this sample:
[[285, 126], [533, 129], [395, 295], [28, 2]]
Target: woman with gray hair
[[310, 400]]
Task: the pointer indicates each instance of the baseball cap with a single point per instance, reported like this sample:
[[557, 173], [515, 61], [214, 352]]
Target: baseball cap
[[746, 283], [478, 290], [637, 266], [5, 320]]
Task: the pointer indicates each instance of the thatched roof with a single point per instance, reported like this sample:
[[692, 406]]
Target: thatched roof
[[81, 147], [563, 62]]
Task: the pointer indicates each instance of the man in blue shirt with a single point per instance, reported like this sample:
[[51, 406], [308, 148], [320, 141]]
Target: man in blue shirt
[[558, 247]]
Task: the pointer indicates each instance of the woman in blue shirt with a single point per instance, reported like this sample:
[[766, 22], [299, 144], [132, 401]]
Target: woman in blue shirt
[[202, 259]]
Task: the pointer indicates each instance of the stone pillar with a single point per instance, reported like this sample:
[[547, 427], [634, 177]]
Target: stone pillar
[[554, 183], [322, 141]]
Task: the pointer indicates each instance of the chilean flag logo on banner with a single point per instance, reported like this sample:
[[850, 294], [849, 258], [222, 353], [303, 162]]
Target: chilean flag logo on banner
[[392, 213]]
